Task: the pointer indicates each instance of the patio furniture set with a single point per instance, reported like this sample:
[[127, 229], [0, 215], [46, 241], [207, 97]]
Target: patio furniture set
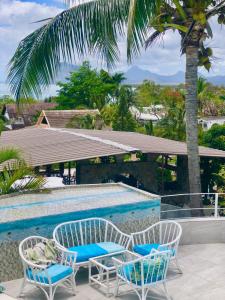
[[140, 259]]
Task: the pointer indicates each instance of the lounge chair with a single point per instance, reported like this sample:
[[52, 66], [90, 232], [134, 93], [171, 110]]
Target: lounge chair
[[143, 273], [47, 277], [164, 235]]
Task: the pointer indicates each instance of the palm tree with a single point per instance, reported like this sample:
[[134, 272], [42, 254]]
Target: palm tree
[[95, 26], [15, 174]]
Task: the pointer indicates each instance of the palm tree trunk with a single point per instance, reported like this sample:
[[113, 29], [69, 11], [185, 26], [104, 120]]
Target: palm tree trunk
[[191, 105]]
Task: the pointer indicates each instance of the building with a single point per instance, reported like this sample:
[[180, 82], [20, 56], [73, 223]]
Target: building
[[68, 118], [101, 156], [208, 122], [152, 113], [17, 118]]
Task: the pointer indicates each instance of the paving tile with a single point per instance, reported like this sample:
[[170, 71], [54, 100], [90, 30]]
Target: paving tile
[[203, 278]]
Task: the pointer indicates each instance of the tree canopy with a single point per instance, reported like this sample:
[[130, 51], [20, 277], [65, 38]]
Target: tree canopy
[[88, 88]]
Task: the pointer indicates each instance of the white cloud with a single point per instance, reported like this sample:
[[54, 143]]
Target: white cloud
[[16, 18]]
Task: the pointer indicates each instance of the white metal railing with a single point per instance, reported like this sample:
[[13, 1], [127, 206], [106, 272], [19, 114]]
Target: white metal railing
[[176, 211]]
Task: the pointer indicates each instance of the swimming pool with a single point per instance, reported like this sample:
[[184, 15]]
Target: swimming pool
[[37, 214]]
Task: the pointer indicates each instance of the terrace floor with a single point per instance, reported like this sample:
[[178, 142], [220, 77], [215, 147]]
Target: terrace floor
[[203, 279]]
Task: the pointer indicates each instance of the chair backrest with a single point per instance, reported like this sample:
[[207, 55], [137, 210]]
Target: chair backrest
[[27, 243], [89, 231], [146, 270], [163, 233]]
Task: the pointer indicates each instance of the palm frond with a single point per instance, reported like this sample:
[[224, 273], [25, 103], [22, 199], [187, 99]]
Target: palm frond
[[13, 178], [138, 24], [218, 8], [154, 37], [9, 154], [92, 27]]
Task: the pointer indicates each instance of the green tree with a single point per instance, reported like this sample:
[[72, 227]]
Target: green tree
[[213, 169], [87, 88], [86, 122], [107, 113], [211, 101], [147, 93], [96, 27], [123, 119], [172, 124]]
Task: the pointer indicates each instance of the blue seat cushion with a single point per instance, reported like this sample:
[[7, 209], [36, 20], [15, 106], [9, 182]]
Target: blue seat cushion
[[152, 271], [55, 272], [85, 252], [146, 249]]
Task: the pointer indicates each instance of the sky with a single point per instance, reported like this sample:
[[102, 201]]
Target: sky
[[16, 21]]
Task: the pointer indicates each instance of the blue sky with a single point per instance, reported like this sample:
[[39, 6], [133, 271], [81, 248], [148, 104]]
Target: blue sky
[[16, 17]]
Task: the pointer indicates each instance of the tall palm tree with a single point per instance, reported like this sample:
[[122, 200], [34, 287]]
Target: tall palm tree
[[95, 26]]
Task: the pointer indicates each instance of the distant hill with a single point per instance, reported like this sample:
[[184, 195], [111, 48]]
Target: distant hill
[[136, 75], [217, 80]]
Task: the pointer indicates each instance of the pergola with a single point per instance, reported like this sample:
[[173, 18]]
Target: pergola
[[48, 146]]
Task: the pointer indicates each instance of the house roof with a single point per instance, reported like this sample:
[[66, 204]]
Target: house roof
[[43, 146], [61, 118], [27, 109], [212, 118]]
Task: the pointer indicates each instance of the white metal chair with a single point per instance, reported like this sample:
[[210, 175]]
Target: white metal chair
[[164, 235], [143, 273], [47, 278], [90, 238]]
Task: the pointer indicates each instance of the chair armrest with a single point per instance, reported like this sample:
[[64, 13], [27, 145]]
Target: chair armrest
[[31, 265], [67, 257]]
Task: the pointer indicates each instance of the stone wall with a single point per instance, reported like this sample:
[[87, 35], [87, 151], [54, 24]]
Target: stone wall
[[144, 172]]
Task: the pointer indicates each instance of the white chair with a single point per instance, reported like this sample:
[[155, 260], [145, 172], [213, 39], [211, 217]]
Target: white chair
[[90, 238], [164, 235], [143, 273], [47, 278]]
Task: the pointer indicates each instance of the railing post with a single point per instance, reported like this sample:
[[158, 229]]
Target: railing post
[[216, 205]]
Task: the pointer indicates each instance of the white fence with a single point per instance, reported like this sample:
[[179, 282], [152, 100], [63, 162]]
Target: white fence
[[178, 205]]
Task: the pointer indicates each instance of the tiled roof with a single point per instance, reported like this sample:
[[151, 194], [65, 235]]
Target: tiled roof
[[27, 109], [42, 146], [61, 118]]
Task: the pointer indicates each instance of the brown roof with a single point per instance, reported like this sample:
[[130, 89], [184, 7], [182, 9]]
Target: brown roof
[[45, 146], [27, 109], [61, 118], [149, 144]]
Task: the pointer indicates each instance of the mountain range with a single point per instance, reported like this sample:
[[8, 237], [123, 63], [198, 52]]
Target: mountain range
[[136, 75]]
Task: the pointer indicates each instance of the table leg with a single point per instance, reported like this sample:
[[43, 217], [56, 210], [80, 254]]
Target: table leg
[[89, 272]]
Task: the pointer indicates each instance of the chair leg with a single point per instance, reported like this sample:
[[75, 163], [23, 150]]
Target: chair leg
[[51, 295], [22, 288], [117, 286], [143, 294], [73, 284], [178, 266], [166, 291]]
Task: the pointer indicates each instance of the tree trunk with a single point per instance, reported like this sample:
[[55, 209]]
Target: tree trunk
[[191, 105]]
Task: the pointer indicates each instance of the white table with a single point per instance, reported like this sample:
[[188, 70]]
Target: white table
[[106, 271]]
